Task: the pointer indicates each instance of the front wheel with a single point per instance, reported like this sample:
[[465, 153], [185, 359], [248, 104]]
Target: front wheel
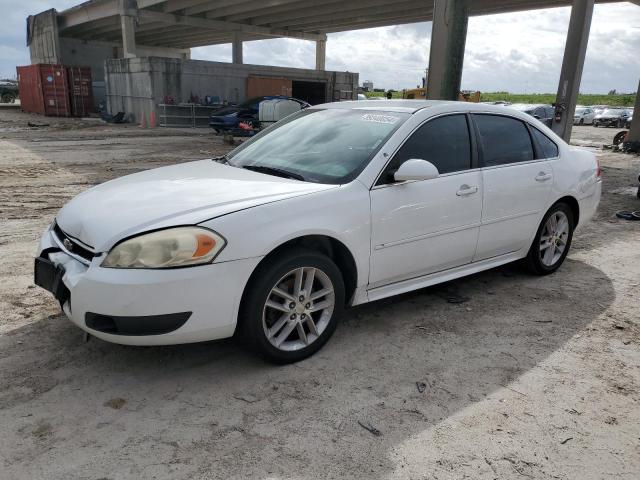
[[552, 241], [292, 305]]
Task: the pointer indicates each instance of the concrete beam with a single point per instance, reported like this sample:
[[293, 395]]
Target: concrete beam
[[128, 36], [321, 54], [634, 131], [312, 10], [236, 48], [448, 39], [87, 12], [571, 73], [225, 8], [152, 16], [128, 11]]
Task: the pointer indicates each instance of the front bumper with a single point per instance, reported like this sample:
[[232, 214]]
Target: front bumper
[[608, 122], [209, 294]]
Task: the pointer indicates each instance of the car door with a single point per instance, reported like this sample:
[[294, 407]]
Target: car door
[[517, 181], [421, 227]]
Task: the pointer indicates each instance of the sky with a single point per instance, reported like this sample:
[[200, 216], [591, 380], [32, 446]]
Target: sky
[[514, 52]]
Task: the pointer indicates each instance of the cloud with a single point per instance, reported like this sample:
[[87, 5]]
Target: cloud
[[517, 52]]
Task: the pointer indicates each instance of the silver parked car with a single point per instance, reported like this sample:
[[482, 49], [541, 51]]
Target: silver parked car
[[583, 116]]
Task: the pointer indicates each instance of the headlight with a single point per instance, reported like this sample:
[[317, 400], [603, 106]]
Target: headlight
[[173, 247]]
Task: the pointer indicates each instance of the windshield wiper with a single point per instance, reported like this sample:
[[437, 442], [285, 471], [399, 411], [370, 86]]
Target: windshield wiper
[[221, 159], [274, 171]]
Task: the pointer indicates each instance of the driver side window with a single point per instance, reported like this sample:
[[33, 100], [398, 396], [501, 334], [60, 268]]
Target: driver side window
[[443, 141]]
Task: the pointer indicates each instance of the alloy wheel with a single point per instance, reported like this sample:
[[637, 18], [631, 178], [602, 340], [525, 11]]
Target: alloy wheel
[[298, 308], [553, 240]]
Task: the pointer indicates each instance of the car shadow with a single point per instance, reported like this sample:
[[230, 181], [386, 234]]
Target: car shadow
[[394, 368]]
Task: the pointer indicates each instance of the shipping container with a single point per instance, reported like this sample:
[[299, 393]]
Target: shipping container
[[80, 91], [44, 89], [260, 86]]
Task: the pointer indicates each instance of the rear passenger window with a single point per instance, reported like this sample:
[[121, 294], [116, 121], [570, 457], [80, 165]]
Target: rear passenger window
[[443, 141], [548, 149], [504, 140]]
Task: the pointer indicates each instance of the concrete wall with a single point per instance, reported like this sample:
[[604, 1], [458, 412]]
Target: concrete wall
[[137, 85], [42, 37], [81, 53]]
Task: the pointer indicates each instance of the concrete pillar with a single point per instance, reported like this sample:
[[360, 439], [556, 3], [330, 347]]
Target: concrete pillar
[[128, 36], [634, 132], [236, 48], [572, 63], [448, 38], [321, 54]]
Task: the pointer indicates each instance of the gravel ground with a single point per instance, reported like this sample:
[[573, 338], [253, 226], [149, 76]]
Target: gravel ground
[[498, 375]]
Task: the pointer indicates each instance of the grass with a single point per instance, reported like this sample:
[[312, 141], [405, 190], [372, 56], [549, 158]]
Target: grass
[[618, 100]]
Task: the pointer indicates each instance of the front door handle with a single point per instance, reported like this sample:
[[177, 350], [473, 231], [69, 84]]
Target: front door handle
[[466, 190], [543, 177]]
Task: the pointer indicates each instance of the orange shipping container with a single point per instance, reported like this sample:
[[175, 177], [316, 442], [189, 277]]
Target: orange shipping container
[[259, 86], [80, 91], [44, 89]]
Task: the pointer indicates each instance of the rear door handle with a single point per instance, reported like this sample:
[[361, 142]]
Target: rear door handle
[[543, 177], [466, 190]]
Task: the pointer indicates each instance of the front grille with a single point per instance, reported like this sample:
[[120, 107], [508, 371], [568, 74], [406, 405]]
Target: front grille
[[71, 244]]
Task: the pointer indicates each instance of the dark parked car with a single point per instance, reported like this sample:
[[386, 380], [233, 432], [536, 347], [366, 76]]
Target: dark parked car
[[629, 118], [8, 91], [544, 113], [611, 117], [228, 118]]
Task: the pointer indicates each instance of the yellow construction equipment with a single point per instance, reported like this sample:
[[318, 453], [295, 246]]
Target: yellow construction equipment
[[421, 94]]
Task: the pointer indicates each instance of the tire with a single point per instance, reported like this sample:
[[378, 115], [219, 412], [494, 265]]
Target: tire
[[582, 121], [541, 261], [257, 318], [595, 124], [8, 98]]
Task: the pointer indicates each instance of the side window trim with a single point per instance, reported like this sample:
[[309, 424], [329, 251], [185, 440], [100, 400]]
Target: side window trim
[[472, 141], [538, 150], [481, 163]]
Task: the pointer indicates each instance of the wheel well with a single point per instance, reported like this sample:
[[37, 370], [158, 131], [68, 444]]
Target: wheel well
[[332, 248], [573, 204]]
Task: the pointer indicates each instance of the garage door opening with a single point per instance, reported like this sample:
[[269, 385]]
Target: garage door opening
[[312, 92]]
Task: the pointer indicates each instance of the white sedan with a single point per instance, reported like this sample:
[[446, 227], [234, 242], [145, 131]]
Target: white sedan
[[583, 116], [337, 205]]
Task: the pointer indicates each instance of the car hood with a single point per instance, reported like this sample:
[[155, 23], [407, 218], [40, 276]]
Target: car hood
[[184, 194], [225, 111]]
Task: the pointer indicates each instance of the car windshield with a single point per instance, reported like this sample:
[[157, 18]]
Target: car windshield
[[580, 110], [613, 111], [324, 146]]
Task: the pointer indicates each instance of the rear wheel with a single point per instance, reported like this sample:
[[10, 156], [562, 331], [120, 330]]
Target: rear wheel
[[292, 305], [552, 241]]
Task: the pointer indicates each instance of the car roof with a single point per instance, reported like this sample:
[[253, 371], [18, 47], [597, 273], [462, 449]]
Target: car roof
[[408, 106]]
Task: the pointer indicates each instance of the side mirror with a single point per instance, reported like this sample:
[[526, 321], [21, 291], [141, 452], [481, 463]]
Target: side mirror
[[416, 169], [537, 116]]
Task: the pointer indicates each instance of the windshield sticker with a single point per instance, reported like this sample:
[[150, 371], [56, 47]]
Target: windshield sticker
[[377, 118]]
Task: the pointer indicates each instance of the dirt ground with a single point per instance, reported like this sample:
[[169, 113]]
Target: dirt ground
[[500, 375]]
